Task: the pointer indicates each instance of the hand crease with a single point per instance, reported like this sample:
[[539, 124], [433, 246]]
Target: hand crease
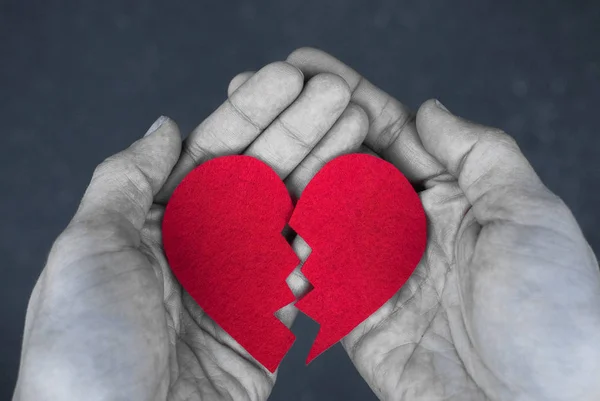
[[418, 344], [357, 84], [197, 154], [217, 339], [244, 115], [396, 310], [293, 134]]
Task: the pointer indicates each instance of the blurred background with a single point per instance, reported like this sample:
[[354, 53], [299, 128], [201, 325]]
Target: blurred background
[[81, 80]]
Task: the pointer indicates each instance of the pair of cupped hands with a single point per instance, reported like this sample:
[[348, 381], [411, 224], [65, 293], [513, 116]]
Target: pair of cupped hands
[[504, 305]]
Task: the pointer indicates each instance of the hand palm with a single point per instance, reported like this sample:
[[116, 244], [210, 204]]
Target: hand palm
[[504, 304], [203, 360], [107, 320], [407, 343], [447, 332]]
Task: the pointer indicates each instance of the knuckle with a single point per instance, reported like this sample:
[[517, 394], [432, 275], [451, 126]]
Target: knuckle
[[498, 137], [392, 130], [124, 170], [109, 170], [121, 173], [494, 141], [106, 166], [389, 123], [120, 163]]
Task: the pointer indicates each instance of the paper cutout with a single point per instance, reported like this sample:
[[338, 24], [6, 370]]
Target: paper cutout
[[222, 237], [367, 230]]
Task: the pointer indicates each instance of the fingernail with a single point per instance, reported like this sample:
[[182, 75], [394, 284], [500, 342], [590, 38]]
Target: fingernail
[[441, 106], [157, 124]]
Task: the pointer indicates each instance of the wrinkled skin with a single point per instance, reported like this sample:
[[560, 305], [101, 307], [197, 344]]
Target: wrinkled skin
[[505, 304], [107, 320]]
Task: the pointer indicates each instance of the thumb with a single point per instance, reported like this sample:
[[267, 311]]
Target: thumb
[[123, 186], [490, 169], [78, 286]]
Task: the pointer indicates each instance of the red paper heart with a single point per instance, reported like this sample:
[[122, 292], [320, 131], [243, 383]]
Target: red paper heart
[[222, 237]]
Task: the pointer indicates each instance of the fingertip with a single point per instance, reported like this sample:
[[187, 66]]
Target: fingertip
[[313, 61], [164, 129], [284, 71], [360, 119], [156, 125], [435, 120], [442, 136], [441, 106], [428, 108], [170, 125], [432, 116], [305, 52], [164, 139], [334, 85], [259, 100], [169, 129], [276, 85], [173, 134], [238, 81]]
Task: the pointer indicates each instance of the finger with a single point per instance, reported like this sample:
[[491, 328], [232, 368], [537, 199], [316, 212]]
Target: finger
[[238, 81], [346, 136], [392, 131], [298, 129], [238, 121], [123, 186], [495, 176]]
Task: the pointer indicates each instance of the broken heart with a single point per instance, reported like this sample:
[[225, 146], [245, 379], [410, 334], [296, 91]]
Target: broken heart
[[222, 236]]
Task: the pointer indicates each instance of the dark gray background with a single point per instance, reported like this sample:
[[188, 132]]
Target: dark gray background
[[80, 80]]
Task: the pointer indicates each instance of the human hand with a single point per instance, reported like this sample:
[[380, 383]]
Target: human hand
[[107, 320], [505, 304]]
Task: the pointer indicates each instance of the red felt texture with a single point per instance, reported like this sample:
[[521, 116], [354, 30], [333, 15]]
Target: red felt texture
[[367, 230], [222, 237]]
